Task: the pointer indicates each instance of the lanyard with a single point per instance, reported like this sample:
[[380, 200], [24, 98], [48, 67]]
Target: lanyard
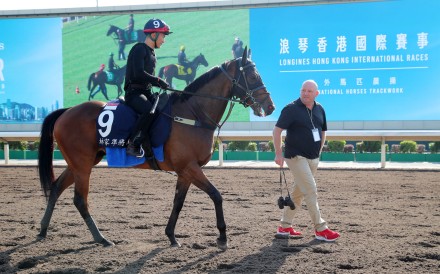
[[311, 116]]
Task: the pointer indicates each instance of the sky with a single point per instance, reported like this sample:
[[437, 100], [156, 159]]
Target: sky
[[57, 4]]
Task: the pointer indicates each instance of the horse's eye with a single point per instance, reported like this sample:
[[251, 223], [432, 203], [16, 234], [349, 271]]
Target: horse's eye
[[253, 78]]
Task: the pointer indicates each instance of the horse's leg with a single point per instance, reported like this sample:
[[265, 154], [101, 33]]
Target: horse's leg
[[195, 175], [119, 91], [82, 180], [63, 182], [96, 91], [92, 94]]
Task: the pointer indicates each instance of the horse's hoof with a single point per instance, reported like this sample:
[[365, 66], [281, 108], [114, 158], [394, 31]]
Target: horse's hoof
[[107, 243], [222, 245], [41, 237], [42, 234], [176, 244]]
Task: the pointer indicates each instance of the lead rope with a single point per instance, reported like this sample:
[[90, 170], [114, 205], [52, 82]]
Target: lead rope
[[283, 176]]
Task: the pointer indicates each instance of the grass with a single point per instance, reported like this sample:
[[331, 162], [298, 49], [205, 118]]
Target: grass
[[86, 46]]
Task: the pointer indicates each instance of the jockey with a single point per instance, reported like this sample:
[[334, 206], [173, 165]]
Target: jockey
[[139, 79], [181, 58], [112, 66]]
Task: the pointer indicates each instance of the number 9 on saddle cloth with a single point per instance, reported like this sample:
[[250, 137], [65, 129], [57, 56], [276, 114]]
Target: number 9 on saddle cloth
[[114, 126]]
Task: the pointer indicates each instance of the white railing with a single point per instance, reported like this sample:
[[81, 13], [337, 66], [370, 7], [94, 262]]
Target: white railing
[[266, 135]]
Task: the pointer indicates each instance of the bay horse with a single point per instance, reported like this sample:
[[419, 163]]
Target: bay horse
[[174, 70], [136, 35], [187, 150], [117, 78]]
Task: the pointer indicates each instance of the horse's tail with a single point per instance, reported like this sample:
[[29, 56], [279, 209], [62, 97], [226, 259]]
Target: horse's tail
[[89, 83], [45, 151], [161, 72]]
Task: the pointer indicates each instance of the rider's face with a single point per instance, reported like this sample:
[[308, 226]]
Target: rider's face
[[160, 39]]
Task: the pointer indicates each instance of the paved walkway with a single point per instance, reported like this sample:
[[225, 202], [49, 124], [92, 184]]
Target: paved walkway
[[271, 164]]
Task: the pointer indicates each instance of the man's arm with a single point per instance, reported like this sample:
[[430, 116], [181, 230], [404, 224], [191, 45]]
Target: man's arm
[[323, 136], [276, 136]]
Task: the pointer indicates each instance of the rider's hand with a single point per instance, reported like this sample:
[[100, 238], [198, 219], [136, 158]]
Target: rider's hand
[[162, 84]]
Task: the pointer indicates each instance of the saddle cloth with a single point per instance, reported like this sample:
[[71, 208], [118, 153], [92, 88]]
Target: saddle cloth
[[114, 126]]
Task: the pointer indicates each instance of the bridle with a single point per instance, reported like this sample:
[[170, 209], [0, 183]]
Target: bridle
[[240, 73], [236, 89]]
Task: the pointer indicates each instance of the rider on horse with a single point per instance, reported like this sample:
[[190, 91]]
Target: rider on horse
[[182, 60], [139, 78], [112, 66]]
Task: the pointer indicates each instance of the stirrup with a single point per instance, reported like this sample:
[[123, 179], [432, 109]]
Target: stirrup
[[142, 153]]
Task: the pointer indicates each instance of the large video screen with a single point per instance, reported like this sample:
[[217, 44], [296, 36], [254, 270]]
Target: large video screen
[[31, 75], [373, 61]]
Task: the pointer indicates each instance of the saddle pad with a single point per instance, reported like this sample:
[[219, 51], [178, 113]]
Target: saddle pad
[[114, 124], [117, 157]]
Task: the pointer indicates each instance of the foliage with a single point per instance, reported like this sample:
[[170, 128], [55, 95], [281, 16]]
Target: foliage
[[369, 146], [434, 147], [360, 148], [33, 145], [372, 146], [216, 143], [408, 146], [18, 145], [271, 146], [252, 146], [264, 146], [336, 146], [238, 145]]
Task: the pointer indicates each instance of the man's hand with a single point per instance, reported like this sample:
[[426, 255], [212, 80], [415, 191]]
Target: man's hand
[[162, 84], [279, 159]]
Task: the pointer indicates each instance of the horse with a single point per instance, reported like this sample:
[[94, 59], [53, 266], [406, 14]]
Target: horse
[[187, 149], [177, 71], [116, 78], [136, 35]]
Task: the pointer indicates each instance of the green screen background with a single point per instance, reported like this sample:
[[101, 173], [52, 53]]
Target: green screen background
[[212, 33]]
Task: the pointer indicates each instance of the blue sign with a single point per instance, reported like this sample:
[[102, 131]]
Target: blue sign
[[372, 61], [31, 71]]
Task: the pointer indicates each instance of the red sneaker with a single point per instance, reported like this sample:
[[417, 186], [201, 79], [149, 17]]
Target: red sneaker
[[287, 231], [326, 235]]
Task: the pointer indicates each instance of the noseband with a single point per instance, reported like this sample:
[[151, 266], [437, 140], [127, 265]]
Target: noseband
[[241, 72]]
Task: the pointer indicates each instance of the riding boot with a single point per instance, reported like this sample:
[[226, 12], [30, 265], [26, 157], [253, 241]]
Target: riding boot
[[140, 136], [134, 147]]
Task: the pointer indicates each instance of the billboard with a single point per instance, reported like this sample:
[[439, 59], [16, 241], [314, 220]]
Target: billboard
[[373, 61], [31, 78]]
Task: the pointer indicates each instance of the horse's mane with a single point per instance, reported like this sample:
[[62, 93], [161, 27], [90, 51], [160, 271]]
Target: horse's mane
[[200, 82]]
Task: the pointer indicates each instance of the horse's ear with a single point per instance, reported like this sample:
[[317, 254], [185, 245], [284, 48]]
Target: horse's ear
[[244, 58]]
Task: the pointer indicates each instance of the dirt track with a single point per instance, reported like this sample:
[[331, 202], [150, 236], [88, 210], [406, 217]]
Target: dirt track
[[388, 220]]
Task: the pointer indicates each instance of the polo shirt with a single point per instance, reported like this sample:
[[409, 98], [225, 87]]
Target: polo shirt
[[297, 119]]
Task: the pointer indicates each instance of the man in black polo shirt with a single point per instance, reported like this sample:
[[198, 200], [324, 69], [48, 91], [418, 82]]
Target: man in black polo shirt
[[305, 122]]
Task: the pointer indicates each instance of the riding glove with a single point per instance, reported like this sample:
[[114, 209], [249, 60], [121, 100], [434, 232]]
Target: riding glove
[[162, 84]]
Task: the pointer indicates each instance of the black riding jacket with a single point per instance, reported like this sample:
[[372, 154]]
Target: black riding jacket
[[141, 65]]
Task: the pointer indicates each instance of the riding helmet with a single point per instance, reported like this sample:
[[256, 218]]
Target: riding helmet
[[182, 48], [156, 25]]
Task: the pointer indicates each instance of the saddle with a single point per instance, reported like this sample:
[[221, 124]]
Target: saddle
[[181, 70], [115, 124]]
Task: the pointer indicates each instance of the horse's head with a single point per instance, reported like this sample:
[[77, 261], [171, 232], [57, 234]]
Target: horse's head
[[202, 60], [111, 30], [249, 88]]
